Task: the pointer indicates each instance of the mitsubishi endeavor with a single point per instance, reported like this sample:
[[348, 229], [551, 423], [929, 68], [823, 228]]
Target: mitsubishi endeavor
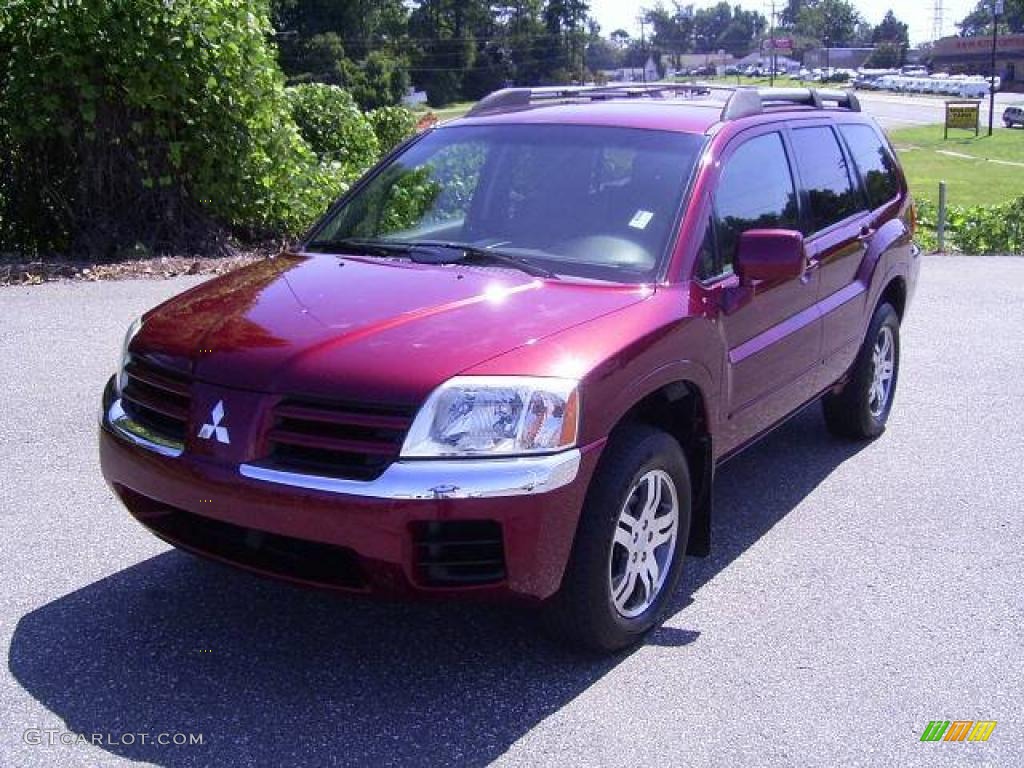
[[508, 361]]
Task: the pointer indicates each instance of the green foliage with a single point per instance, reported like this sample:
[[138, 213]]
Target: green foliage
[[392, 125], [974, 229], [836, 20], [380, 81], [925, 235], [408, 200], [333, 126], [147, 121], [988, 229], [726, 27], [979, 21], [351, 44]]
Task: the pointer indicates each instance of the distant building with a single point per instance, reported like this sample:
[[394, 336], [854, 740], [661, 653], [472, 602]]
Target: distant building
[[764, 60], [843, 58], [414, 98], [698, 60], [973, 56], [648, 73]]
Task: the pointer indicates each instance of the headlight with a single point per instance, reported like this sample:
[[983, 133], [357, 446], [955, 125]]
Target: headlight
[[496, 415], [128, 336]]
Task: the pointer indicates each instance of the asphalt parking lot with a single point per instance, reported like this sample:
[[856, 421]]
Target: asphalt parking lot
[[856, 592]]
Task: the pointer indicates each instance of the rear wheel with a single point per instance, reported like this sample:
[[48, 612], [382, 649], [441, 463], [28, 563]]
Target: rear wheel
[[630, 544], [861, 409]]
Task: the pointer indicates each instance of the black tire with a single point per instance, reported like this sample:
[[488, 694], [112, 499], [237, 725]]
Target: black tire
[[849, 412], [582, 614]]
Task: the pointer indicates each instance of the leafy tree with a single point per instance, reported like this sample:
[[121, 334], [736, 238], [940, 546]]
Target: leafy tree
[[602, 54], [891, 30], [836, 21], [620, 38], [886, 56], [447, 47], [979, 21], [358, 44], [723, 27], [672, 30]]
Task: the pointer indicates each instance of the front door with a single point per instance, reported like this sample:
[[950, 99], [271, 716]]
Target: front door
[[773, 335]]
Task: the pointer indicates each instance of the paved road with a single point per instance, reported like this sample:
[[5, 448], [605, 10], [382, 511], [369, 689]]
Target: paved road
[[856, 592], [895, 110]]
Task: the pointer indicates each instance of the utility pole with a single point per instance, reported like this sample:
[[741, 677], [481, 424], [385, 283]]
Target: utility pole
[[997, 8], [771, 50], [643, 51]]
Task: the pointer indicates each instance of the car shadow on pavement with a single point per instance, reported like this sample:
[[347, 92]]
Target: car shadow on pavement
[[275, 675]]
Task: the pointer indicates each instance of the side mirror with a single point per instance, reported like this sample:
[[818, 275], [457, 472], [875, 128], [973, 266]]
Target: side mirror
[[770, 254]]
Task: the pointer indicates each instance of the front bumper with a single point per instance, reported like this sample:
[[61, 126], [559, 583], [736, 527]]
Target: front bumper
[[238, 514]]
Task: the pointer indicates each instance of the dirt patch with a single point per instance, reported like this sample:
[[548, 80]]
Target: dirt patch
[[15, 270]]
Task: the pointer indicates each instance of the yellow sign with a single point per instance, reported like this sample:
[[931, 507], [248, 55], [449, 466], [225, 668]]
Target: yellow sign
[[962, 114]]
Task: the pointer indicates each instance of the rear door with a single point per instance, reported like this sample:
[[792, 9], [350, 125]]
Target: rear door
[[837, 226], [773, 337]]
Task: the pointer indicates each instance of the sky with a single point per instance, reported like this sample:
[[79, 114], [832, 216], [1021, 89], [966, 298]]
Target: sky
[[616, 14]]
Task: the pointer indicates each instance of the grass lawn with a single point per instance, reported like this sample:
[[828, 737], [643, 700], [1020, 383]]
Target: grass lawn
[[970, 180], [457, 109]]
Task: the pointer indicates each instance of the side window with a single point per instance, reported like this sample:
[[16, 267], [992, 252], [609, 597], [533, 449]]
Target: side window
[[755, 192], [831, 193], [875, 162]]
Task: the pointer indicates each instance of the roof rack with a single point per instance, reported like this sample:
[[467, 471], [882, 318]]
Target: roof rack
[[739, 101]]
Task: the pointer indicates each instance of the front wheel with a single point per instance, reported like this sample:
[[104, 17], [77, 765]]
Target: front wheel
[[860, 410], [630, 544]]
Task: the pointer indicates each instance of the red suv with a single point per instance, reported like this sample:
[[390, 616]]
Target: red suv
[[508, 361]]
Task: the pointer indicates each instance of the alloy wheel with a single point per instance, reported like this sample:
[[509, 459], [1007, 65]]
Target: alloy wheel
[[883, 358], [644, 543]]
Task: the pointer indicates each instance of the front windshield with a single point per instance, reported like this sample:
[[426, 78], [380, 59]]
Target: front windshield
[[598, 202]]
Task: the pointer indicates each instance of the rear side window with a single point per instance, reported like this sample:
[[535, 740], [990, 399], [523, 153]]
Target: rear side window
[[874, 161], [831, 194], [755, 192]]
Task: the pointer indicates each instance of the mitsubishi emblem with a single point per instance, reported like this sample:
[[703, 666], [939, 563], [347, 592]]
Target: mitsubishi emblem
[[214, 428]]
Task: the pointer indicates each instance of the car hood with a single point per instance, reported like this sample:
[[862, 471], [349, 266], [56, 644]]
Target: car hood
[[354, 327]]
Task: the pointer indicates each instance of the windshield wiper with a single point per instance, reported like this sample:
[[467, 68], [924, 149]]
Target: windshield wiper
[[475, 252], [358, 245]]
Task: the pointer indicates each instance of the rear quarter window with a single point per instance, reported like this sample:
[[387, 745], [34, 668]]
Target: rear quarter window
[[874, 161]]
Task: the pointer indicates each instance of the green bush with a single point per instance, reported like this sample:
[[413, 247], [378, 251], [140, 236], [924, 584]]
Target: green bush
[[393, 125], [144, 121], [974, 229], [925, 235], [333, 126], [988, 228]]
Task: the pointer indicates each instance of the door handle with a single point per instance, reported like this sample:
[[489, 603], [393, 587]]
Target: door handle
[[866, 233], [812, 264]]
